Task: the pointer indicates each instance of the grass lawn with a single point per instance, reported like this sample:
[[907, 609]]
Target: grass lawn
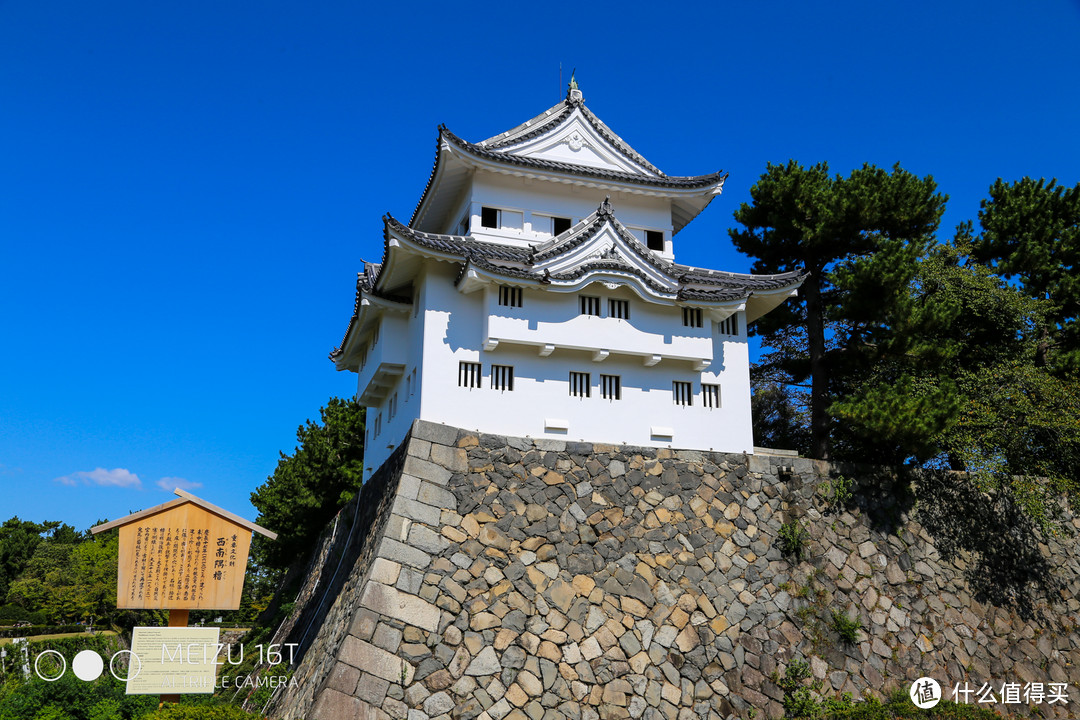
[[35, 638]]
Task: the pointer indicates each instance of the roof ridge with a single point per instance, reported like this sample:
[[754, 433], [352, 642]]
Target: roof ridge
[[670, 181]]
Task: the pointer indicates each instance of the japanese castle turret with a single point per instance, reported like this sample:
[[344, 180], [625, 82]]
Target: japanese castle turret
[[535, 293]]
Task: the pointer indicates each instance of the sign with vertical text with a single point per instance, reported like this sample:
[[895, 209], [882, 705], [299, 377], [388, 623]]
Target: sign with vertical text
[[182, 558]]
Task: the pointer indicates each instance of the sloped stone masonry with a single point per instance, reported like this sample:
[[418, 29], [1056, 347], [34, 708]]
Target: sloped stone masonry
[[517, 579]]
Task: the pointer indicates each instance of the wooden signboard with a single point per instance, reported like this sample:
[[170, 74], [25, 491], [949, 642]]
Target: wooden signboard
[[182, 555]]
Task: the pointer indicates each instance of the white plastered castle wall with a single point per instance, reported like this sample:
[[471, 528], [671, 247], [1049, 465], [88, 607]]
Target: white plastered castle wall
[[453, 333], [535, 201]]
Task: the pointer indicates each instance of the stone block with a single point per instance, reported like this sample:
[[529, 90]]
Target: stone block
[[386, 637], [438, 704], [374, 660], [451, 458], [436, 496], [485, 663], [372, 689], [426, 470], [406, 555], [416, 510], [407, 608], [434, 432], [334, 705], [408, 486], [384, 571], [343, 678], [427, 539], [363, 624]]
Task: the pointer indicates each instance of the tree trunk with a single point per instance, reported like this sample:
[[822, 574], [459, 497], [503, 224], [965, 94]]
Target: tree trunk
[[819, 371]]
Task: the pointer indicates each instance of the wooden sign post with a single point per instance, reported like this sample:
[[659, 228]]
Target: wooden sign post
[[180, 556]]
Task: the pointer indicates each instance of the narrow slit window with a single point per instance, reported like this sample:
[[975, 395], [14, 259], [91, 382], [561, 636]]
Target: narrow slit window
[[729, 325], [502, 377], [619, 309], [590, 305], [559, 225], [691, 317], [611, 387], [579, 384], [509, 296], [489, 217], [710, 395], [468, 374], [682, 392], [654, 240], [391, 409]]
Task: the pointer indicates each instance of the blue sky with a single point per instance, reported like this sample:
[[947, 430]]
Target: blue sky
[[187, 189]]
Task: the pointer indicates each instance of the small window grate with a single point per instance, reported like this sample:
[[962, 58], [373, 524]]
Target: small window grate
[[580, 384], [683, 393], [710, 395], [509, 296], [590, 305], [691, 317], [611, 387], [729, 325], [619, 309], [502, 377], [468, 374]]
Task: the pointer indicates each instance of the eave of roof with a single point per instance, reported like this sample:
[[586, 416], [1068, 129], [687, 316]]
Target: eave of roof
[[556, 115]]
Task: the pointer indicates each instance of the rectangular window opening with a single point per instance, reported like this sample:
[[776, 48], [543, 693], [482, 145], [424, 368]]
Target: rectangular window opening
[[611, 387], [691, 317], [682, 392], [559, 225], [710, 395], [468, 374], [509, 296], [619, 309], [590, 305], [729, 325], [580, 384], [654, 240], [502, 377], [489, 217]]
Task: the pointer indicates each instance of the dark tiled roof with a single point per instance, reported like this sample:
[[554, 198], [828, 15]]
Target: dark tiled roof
[[519, 263], [493, 257], [552, 118], [458, 244], [690, 183]]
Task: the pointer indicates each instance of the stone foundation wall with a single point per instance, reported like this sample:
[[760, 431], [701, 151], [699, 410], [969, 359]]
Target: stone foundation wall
[[516, 579]]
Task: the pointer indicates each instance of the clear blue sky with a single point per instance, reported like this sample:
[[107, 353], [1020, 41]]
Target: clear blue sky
[[187, 189]]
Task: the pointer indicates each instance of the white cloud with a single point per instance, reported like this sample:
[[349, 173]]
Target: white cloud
[[117, 477], [169, 483]]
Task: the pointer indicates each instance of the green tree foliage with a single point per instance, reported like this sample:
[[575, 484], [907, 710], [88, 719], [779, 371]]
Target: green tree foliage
[[18, 541], [1031, 231], [309, 486], [859, 238], [70, 578], [1014, 425]]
